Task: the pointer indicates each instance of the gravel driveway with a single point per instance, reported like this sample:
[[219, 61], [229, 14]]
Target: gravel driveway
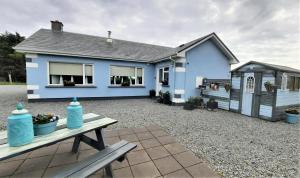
[[235, 145]]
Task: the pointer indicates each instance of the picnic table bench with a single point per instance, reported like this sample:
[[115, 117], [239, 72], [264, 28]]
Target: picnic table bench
[[92, 122]]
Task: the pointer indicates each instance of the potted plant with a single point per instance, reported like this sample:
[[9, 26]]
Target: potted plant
[[212, 104], [167, 98], [165, 82], [292, 116], [44, 123], [69, 83], [152, 93], [118, 80], [269, 86], [189, 105], [227, 87], [126, 82], [197, 101], [160, 97]]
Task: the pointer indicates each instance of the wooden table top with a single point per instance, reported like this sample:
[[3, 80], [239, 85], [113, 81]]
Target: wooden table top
[[91, 122]]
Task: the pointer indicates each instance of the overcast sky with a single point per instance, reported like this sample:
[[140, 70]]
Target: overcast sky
[[262, 30]]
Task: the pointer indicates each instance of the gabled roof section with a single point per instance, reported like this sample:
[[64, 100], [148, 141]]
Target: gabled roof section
[[271, 66], [217, 41], [46, 41]]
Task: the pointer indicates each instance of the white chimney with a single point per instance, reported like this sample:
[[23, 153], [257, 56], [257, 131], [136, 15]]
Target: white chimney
[[109, 39]]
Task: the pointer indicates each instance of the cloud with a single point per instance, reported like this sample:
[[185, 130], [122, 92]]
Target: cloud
[[254, 30]]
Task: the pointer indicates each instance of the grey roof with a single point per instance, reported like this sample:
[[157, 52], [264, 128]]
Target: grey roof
[[66, 43], [271, 66], [46, 41]]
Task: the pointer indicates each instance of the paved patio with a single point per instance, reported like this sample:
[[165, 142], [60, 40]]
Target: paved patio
[[157, 155]]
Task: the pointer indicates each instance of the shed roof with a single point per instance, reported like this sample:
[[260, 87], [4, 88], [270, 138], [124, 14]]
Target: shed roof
[[271, 66]]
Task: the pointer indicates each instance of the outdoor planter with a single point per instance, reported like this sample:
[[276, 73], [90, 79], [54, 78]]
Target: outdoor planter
[[164, 83], [269, 86], [212, 104], [214, 86], [125, 84], [69, 83], [44, 124], [227, 87], [167, 98], [188, 106], [292, 116], [160, 97], [152, 93]]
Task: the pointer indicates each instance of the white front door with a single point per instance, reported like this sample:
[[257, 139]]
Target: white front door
[[158, 83], [248, 90]]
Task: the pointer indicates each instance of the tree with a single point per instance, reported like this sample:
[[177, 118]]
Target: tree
[[11, 63]]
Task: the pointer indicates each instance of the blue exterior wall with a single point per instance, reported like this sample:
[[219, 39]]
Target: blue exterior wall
[[39, 76], [204, 60]]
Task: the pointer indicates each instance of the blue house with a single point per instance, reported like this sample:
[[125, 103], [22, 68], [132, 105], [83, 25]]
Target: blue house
[[62, 65]]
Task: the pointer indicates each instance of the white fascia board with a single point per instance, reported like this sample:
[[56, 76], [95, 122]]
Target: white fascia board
[[32, 87], [31, 55], [178, 100], [33, 96], [179, 69], [32, 65], [84, 56], [179, 91]]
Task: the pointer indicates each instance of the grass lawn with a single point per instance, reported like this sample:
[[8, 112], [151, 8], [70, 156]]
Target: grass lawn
[[13, 83]]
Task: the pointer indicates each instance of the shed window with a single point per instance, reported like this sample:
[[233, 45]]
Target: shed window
[[121, 75], [80, 74], [293, 83], [250, 85]]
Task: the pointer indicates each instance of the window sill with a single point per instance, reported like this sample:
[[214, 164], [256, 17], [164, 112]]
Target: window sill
[[77, 86], [111, 86]]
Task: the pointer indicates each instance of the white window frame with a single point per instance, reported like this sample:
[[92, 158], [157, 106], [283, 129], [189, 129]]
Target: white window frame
[[135, 75], [83, 75], [284, 82], [163, 72], [250, 87]]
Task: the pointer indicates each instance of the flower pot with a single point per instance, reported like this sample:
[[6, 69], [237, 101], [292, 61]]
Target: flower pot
[[212, 105], [188, 106], [292, 118], [43, 129], [152, 93]]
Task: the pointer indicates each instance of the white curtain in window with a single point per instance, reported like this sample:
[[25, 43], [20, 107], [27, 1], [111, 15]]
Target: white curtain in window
[[139, 72], [56, 68], [122, 71], [88, 70]]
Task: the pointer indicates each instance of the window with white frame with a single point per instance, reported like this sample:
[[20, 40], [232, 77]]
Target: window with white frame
[[250, 84], [126, 76], [79, 74], [164, 76], [284, 81]]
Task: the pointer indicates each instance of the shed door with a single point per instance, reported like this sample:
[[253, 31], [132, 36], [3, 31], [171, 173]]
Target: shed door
[[248, 90]]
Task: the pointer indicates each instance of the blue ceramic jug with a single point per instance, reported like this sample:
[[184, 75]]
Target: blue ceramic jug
[[74, 118], [19, 127]]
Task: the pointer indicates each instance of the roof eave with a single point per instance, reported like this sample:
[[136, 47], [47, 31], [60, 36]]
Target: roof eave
[[76, 55]]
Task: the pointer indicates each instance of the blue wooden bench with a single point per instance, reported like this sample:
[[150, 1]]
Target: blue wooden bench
[[100, 160]]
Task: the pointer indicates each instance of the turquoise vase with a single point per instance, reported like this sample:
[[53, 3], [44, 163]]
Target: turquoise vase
[[74, 118], [19, 127]]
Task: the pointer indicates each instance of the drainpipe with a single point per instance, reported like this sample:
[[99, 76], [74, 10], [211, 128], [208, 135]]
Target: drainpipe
[[174, 61]]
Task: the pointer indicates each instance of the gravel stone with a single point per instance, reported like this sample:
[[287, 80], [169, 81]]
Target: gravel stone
[[233, 144]]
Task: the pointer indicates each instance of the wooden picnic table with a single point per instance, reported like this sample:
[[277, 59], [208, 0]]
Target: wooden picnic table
[[92, 122]]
